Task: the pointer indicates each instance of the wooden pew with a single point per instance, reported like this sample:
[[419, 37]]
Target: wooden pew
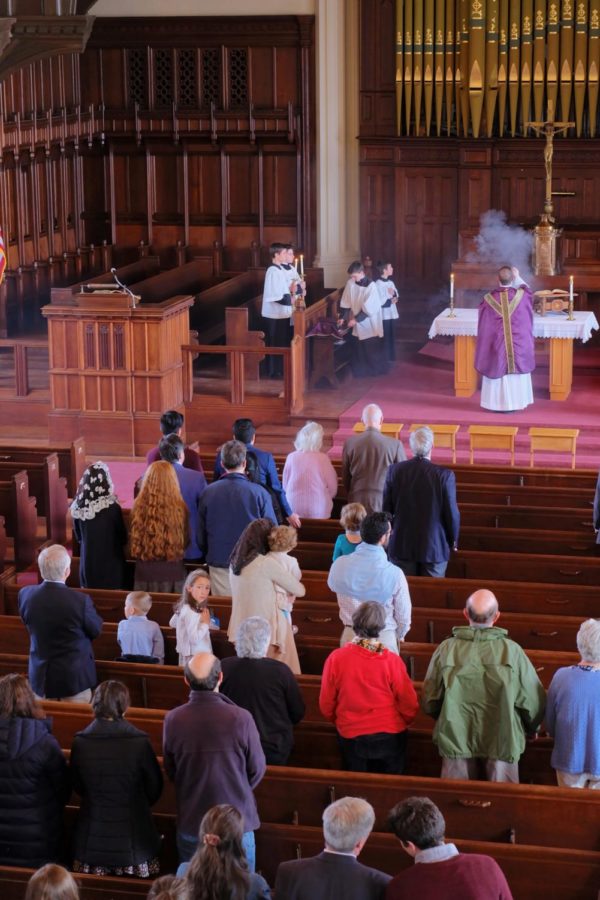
[[533, 873], [474, 564], [49, 489], [13, 882], [71, 458], [19, 512]]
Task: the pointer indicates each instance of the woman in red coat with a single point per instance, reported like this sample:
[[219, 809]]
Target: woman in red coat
[[367, 694]]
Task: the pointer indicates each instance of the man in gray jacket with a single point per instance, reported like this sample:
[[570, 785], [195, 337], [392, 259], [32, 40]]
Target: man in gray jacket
[[366, 459]]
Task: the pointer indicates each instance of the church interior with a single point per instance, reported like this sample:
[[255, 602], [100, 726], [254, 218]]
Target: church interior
[[150, 155]]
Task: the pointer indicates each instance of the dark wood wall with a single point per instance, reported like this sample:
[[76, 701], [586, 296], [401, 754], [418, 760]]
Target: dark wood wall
[[163, 131], [418, 195]]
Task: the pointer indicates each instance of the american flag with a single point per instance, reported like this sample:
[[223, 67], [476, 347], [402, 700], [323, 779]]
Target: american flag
[[2, 256]]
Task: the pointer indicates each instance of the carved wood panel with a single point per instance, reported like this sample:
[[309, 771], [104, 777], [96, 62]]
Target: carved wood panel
[[427, 224]]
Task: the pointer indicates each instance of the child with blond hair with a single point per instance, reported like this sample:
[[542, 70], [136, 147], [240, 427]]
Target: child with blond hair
[[137, 636], [350, 519], [282, 539]]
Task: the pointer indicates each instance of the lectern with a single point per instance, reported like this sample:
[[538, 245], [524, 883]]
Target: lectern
[[114, 369]]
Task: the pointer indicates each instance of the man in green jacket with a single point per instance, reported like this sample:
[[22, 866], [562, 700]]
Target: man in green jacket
[[485, 695]]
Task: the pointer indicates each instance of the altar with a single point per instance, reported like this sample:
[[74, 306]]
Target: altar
[[556, 327]]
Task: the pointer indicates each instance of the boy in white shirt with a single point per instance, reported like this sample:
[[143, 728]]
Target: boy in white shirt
[[388, 294], [361, 308], [277, 306]]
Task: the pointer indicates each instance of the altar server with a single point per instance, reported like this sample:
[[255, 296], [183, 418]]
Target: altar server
[[296, 275], [361, 307], [388, 294], [277, 306]]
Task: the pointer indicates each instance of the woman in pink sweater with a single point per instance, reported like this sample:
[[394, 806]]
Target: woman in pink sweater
[[309, 479]]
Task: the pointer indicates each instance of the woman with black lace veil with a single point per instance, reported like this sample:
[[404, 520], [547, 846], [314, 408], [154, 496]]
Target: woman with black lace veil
[[99, 528]]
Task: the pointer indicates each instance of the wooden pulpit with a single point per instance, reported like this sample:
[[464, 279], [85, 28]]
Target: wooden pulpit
[[114, 369]]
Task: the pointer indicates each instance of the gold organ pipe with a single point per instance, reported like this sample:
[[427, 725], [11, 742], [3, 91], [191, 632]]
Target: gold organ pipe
[[566, 57], [514, 52], [476, 62], [408, 61], [539, 59], [503, 25], [552, 44], [491, 65], [418, 61], [399, 62], [526, 60], [581, 23], [428, 35], [464, 66], [439, 63], [593, 63], [449, 63]]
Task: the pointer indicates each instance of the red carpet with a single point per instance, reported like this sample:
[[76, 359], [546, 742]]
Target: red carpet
[[421, 389]]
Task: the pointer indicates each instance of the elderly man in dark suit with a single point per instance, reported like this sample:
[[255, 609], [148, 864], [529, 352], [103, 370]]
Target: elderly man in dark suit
[[336, 872], [62, 623], [366, 458], [422, 500]]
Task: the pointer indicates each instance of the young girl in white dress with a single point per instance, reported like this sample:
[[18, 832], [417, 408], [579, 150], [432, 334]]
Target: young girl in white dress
[[191, 617]]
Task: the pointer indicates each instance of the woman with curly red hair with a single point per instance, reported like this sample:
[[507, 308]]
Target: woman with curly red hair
[[158, 532]]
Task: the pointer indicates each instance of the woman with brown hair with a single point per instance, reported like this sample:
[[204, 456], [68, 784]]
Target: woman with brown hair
[[254, 577], [34, 786], [158, 531], [52, 882], [219, 868], [116, 774]]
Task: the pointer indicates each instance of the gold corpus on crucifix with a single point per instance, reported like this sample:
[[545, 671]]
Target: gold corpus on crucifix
[[545, 257]]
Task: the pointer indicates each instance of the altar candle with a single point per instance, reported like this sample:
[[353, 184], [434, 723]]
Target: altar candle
[[302, 265], [452, 285], [571, 280], [296, 263]]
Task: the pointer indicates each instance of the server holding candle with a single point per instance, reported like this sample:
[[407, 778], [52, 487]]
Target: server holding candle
[[277, 305]]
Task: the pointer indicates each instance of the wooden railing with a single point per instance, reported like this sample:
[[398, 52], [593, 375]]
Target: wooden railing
[[293, 370], [20, 346]]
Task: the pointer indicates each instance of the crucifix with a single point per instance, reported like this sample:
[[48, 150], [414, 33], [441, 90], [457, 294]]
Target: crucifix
[[548, 129]]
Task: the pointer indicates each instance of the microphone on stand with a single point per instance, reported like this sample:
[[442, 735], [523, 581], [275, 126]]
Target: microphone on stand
[[124, 287]]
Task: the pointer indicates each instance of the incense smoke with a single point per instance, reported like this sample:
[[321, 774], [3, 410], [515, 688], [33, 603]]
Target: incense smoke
[[499, 244]]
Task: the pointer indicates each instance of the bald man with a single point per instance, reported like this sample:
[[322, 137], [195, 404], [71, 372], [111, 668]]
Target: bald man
[[485, 695], [366, 459], [212, 753]]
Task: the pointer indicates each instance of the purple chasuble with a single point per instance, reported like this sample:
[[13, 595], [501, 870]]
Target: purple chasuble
[[505, 333]]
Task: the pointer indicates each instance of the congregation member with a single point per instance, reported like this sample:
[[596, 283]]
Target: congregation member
[[596, 512], [277, 306], [485, 696], [191, 484], [158, 531], [367, 574], [366, 458], [336, 872], [266, 471], [191, 617], [309, 479], [573, 714], [265, 687], [367, 694], [116, 773], [421, 498], [171, 422], [351, 518], [52, 882], [213, 755], [100, 530], [439, 870], [219, 868], [505, 352], [255, 577], [227, 506], [168, 887], [62, 623], [139, 638], [361, 308], [282, 540], [388, 295], [34, 784]]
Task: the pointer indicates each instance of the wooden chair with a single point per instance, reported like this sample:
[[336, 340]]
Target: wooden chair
[[392, 429], [444, 436], [493, 437], [557, 440]]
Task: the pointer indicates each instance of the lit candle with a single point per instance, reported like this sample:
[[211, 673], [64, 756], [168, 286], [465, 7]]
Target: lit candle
[[571, 280], [296, 263], [302, 265], [452, 285]]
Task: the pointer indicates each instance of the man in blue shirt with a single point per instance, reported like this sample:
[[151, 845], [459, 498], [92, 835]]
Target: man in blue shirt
[[245, 432], [226, 507]]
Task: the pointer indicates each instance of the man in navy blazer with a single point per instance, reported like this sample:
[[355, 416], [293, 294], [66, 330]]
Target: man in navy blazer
[[62, 623], [226, 507], [422, 500], [245, 432], [336, 872], [191, 484]]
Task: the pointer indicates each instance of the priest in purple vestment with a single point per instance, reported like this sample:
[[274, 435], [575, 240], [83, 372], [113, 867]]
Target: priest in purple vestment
[[505, 355]]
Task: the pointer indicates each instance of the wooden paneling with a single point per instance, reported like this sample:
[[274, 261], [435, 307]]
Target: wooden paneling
[[426, 222]]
